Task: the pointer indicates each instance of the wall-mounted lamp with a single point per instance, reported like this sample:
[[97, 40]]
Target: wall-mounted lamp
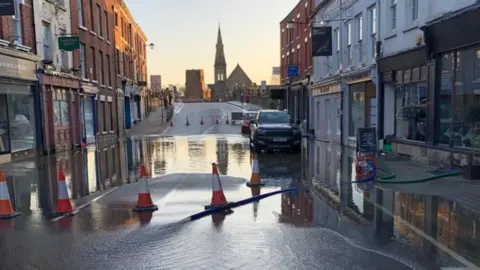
[[152, 46]]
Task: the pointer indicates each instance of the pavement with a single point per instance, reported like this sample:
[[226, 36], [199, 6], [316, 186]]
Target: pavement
[[329, 223]]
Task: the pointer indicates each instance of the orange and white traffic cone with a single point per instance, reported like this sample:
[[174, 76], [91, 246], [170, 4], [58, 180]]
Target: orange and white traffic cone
[[171, 123], [227, 122], [187, 123], [218, 197], [255, 178], [6, 209], [144, 200], [217, 121], [201, 120], [64, 206]]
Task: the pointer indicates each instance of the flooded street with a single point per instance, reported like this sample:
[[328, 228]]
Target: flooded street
[[328, 224]]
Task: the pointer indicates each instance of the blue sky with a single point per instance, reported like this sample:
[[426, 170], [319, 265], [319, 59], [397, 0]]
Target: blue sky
[[184, 33]]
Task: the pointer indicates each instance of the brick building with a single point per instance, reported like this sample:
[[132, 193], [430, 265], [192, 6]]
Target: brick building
[[131, 66], [295, 43], [20, 126], [93, 22], [194, 84]]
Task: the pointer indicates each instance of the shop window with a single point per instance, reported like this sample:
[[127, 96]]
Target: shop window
[[22, 122], [459, 108], [4, 127], [61, 112], [411, 111], [357, 108], [89, 117]]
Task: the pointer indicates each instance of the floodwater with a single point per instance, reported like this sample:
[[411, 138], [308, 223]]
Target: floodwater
[[328, 224]]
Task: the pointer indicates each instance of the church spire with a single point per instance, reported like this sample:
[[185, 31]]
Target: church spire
[[219, 35], [219, 54]]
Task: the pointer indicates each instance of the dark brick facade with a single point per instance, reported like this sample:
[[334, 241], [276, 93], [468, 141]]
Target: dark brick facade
[[98, 41]]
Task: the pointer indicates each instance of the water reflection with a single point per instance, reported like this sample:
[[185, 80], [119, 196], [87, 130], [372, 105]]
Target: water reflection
[[33, 183], [396, 217]]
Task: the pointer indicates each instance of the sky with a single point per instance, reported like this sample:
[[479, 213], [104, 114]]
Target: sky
[[185, 33]]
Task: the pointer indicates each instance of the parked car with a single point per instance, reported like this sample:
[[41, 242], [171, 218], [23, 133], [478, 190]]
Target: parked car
[[275, 130], [247, 117]]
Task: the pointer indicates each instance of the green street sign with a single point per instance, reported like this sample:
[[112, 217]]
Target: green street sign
[[69, 44]]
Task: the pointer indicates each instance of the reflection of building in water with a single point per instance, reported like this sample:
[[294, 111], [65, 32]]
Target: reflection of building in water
[[297, 209], [222, 155], [196, 154], [239, 153], [446, 221]]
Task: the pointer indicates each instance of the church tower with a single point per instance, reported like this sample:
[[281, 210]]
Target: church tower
[[220, 66]]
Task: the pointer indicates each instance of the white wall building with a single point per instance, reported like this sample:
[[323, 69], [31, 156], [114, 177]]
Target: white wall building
[[415, 74], [343, 90], [52, 20]]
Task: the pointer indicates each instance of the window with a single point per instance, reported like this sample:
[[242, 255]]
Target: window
[[116, 19], [94, 64], [360, 38], [373, 29], [337, 40], [317, 123], [357, 108], [18, 22], [64, 53], [118, 58], [106, 25], [109, 74], [411, 111], [80, 14], [112, 113], [104, 116], [102, 70], [22, 122], [349, 43], [47, 41], [393, 14], [413, 9], [92, 17], [83, 67], [98, 19], [4, 125], [107, 120]]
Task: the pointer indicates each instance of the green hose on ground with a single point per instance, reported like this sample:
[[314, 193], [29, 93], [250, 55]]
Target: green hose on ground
[[390, 175]]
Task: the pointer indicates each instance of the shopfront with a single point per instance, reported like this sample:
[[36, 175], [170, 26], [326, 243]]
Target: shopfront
[[61, 110], [454, 114], [88, 114], [403, 86], [325, 111], [360, 108], [18, 122]]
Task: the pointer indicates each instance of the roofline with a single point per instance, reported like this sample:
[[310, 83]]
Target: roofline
[[291, 11]]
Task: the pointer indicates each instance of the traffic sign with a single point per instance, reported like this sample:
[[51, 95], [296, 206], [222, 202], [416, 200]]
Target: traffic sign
[[293, 71]]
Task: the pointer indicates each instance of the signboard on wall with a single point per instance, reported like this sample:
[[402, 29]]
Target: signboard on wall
[[69, 43], [7, 7], [366, 140], [276, 71], [322, 41]]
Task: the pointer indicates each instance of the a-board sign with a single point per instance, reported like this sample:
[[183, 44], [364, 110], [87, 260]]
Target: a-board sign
[[366, 140]]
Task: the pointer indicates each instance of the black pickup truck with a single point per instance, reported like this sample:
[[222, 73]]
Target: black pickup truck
[[274, 130]]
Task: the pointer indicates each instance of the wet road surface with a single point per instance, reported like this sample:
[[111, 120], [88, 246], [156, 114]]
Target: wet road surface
[[326, 225]]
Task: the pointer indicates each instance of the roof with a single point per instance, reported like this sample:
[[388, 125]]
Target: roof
[[288, 17]]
